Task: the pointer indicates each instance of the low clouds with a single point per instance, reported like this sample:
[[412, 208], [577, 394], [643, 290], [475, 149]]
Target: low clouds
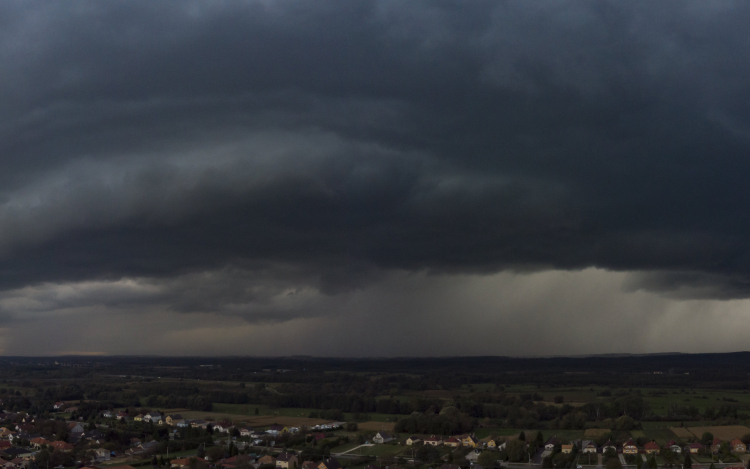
[[402, 314], [265, 161]]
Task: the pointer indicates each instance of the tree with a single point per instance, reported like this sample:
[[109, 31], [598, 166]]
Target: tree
[[688, 463], [154, 461], [652, 462], [42, 458], [624, 423], [215, 453], [638, 461], [256, 411], [707, 439], [559, 399], [202, 451], [515, 450], [539, 439], [486, 459], [522, 436], [614, 463]]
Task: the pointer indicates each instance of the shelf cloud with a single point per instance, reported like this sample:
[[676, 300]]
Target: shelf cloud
[[272, 161]]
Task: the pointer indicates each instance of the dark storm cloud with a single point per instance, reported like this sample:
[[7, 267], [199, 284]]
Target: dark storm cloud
[[158, 140]]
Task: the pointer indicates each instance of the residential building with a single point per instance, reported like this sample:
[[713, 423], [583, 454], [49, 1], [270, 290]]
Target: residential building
[[651, 448], [331, 463], [382, 437], [469, 440], [738, 446], [171, 419], [452, 442], [549, 445], [433, 440], [630, 447], [62, 446], [609, 446], [715, 446], [588, 446], [286, 461], [267, 459]]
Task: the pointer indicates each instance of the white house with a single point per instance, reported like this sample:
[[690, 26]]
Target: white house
[[382, 437]]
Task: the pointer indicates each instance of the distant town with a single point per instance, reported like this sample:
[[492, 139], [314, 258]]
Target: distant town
[[293, 413]]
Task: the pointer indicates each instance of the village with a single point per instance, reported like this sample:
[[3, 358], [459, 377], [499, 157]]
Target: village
[[132, 438]]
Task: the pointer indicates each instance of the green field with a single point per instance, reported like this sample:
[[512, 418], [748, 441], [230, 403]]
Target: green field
[[658, 399], [701, 399], [249, 409], [659, 435], [348, 416], [381, 451], [345, 447], [564, 434]]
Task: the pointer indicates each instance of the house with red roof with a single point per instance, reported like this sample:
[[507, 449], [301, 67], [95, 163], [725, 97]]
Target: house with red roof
[[715, 445], [452, 442], [62, 446], [651, 448], [630, 447], [674, 447], [738, 446], [433, 440]]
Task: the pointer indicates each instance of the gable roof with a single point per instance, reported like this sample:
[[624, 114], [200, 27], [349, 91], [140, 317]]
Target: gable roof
[[332, 463], [285, 457], [61, 445]]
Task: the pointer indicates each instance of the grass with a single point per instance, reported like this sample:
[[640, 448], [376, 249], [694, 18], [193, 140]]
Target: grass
[[588, 459], [345, 447], [383, 450], [702, 399], [348, 416], [564, 434], [249, 410], [660, 435]]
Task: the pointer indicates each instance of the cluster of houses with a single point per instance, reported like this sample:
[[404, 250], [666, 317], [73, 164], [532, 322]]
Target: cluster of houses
[[630, 447], [176, 420], [19, 457], [466, 440], [281, 461]]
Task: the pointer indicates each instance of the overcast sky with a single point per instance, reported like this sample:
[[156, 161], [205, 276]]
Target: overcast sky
[[361, 178]]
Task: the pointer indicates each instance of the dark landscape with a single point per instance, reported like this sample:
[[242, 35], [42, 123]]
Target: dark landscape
[[477, 411]]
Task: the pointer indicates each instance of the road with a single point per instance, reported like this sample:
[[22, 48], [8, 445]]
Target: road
[[355, 448]]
